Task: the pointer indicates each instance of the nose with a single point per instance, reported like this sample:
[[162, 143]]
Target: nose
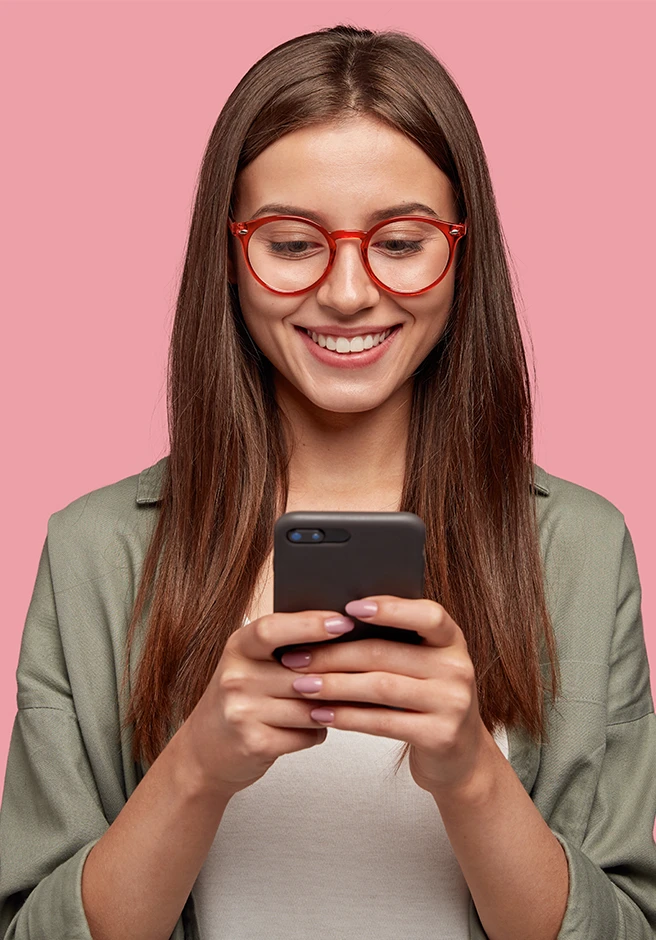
[[348, 287]]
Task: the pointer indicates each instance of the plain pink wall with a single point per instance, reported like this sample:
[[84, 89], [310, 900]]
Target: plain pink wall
[[107, 109]]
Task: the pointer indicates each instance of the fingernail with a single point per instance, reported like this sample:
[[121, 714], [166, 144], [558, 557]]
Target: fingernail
[[307, 684], [325, 715], [295, 658], [338, 624], [361, 608]]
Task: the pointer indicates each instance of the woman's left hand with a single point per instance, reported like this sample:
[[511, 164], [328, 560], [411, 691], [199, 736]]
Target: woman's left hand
[[435, 681]]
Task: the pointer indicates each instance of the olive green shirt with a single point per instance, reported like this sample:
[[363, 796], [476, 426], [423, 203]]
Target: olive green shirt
[[69, 771]]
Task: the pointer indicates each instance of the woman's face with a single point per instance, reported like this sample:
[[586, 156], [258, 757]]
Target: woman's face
[[342, 174]]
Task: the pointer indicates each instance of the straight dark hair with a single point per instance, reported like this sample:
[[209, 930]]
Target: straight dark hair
[[469, 469]]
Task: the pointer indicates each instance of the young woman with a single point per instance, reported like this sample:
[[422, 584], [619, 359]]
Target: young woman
[[346, 338]]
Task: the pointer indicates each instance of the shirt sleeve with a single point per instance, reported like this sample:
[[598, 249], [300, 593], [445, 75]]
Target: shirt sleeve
[[612, 873], [51, 814]]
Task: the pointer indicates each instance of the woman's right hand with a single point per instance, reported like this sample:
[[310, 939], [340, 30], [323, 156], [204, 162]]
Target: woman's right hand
[[249, 713]]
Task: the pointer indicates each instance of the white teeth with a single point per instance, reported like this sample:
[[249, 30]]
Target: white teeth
[[341, 344]]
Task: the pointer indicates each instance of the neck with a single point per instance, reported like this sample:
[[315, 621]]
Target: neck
[[350, 460]]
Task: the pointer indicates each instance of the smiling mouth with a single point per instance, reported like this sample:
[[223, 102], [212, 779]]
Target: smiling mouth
[[340, 344]]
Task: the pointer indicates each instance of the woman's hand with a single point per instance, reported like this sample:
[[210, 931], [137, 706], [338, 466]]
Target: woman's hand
[[435, 681], [249, 715]]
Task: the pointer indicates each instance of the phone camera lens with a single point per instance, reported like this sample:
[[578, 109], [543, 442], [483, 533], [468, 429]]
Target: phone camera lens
[[305, 535]]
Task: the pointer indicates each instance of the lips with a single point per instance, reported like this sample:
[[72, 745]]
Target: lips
[[349, 360]]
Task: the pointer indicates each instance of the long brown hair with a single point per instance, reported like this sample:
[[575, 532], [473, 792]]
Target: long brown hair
[[469, 469]]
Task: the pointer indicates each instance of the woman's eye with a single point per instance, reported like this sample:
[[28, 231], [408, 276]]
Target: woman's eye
[[397, 246], [292, 248]]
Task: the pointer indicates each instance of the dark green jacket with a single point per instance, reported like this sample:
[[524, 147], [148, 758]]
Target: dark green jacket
[[68, 776]]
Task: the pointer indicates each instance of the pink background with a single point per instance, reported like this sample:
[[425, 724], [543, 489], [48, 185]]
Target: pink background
[[107, 110]]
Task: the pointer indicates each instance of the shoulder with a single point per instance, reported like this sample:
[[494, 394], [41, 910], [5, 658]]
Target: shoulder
[[583, 537], [589, 565], [106, 528], [572, 516]]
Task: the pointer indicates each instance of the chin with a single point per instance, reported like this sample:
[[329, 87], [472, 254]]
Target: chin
[[347, 404]]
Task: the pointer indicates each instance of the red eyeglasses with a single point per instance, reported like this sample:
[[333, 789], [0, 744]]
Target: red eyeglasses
[[290, 255]]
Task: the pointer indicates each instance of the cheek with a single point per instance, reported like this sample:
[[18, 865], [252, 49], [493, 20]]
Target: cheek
[[430, 311], [264, 314], [257, 303]]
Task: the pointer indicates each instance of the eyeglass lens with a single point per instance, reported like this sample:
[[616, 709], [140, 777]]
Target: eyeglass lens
[[404, 255]]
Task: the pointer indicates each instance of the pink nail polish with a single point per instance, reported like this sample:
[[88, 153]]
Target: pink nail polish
[[295, 658], [361, 608], [325, 715], [307, 684], [338, 625]]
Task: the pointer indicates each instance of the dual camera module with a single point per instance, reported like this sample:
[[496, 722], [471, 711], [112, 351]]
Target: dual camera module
[[305, 535]]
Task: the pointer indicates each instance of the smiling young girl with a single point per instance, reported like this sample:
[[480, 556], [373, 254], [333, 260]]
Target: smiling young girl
[[346, 338]]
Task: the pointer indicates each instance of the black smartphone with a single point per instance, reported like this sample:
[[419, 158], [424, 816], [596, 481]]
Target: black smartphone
[[323, 560]]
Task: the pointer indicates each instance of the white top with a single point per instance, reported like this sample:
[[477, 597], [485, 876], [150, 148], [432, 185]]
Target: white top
[[330, 843]]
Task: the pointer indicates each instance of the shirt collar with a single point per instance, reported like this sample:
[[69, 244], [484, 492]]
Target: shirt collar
[[150, 479]]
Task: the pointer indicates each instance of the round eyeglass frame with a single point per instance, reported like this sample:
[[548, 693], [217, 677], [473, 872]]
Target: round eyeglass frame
[[453, 231]]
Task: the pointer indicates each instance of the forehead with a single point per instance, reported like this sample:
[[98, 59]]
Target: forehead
[[343, 172]]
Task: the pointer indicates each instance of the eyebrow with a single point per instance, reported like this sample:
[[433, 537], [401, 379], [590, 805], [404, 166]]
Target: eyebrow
[[402, 208]]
